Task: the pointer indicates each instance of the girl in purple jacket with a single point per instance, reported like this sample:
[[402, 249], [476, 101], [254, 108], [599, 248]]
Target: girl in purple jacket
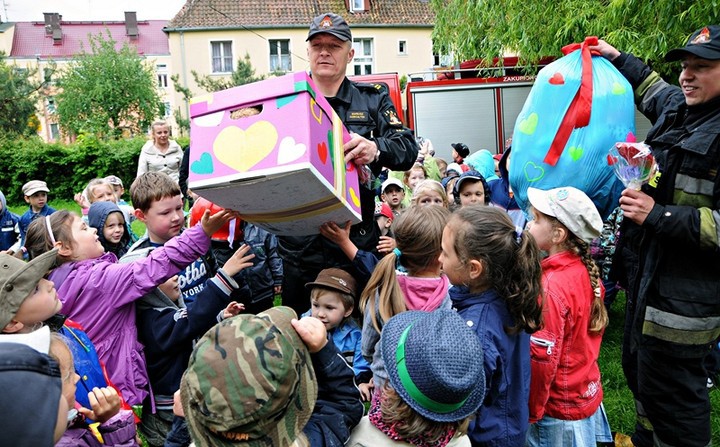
[[99, 293]]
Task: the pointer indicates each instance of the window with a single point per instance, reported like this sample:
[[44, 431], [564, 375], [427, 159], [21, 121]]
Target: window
[[363, 61], [54, 131], [402, 47], [280, 55], [162, 75], [51, 104], [442, 60], [222, 58], [357, 5], [166, 104]]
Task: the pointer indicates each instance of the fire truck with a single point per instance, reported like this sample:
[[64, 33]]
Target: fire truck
[[478, 108]]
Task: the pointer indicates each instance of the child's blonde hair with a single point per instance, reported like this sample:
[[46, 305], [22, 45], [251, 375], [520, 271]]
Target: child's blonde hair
[[410, 424], [511, 261], [89, 190], [427, 185], [418, 235], [415, 167], [598, 313]]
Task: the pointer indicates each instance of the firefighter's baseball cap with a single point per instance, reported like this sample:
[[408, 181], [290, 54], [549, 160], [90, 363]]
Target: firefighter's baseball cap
[[331, 24]]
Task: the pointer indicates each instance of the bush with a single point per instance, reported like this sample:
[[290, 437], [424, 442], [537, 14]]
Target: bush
[[66, 168]]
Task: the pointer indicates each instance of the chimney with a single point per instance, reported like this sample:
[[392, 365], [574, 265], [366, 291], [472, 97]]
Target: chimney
[[48, 22], [55, 19], [131, 25]]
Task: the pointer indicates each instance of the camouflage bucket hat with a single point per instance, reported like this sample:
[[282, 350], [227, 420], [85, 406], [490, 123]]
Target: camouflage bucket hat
[[250, 381]]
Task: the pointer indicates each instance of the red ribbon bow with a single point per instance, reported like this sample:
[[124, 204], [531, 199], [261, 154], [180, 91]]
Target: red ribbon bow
[[578, 114]]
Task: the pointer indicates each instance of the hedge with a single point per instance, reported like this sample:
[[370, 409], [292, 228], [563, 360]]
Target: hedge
[[66, 168]]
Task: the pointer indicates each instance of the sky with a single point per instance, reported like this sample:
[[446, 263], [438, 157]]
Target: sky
[[82, 10]]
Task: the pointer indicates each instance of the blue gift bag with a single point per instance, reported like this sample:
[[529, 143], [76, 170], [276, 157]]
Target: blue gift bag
[[578, 108]]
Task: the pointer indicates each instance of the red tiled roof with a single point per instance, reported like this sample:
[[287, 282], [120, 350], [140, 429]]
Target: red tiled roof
[[297, 13], [30, 39]]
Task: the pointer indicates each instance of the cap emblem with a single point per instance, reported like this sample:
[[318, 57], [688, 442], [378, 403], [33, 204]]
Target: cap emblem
[[703, 37], [326, 23]]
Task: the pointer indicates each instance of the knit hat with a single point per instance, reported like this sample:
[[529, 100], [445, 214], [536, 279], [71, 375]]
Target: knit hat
[[250, 382], [34, 186], [336, 279], [704, 43], [572, 207], [331, 24], [434, 362], [18, 280]]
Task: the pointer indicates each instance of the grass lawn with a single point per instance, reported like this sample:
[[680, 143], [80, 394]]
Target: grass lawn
[[618, 400]]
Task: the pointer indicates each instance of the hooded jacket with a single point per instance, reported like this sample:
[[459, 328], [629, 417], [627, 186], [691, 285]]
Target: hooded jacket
[[98, 214], [9, 228], [425, 294], [100, 294]]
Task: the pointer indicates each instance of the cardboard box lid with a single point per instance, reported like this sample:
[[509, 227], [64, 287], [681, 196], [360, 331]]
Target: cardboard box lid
[[256, 93]]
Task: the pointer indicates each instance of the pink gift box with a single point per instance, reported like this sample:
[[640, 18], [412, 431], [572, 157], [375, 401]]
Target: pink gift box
[[282, 168]]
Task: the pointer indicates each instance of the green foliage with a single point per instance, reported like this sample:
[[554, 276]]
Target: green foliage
[[403, 82], [66, 169], [18, 93], [534, 28], [243, 74], [107, 90]]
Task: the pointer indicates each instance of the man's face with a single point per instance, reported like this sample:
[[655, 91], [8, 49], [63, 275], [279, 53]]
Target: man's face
[[699, 79], [329, 56]]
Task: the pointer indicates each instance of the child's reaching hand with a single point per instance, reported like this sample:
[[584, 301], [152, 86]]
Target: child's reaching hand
[[366, 390], [105, 403], [239, 260], [386, 245], [211, 224], [233, 309]]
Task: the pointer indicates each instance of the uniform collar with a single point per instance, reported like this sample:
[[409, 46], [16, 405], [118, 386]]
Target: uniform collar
[[344, 93]]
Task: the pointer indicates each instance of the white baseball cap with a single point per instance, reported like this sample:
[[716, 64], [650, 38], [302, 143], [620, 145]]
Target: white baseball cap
[[572, 207]]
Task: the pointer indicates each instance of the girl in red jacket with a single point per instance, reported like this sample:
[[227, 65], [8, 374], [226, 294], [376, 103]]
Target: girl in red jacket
[[565, 389]]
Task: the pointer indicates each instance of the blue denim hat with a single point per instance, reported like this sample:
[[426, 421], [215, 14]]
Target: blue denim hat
[[435, 363]]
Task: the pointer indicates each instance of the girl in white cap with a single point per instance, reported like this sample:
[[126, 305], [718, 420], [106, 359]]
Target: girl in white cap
[[565, 387]]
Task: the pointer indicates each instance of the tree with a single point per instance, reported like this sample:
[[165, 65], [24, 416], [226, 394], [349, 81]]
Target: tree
[[108, 90], [532, 29], [18, 94], [244, 74]]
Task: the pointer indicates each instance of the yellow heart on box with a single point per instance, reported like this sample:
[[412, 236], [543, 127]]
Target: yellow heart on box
[[243, 149]]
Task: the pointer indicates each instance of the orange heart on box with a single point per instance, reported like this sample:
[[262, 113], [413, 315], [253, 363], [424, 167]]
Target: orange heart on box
[[242, 149]]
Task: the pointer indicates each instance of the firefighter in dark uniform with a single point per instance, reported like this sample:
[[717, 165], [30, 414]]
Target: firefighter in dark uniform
[[379, 139]]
